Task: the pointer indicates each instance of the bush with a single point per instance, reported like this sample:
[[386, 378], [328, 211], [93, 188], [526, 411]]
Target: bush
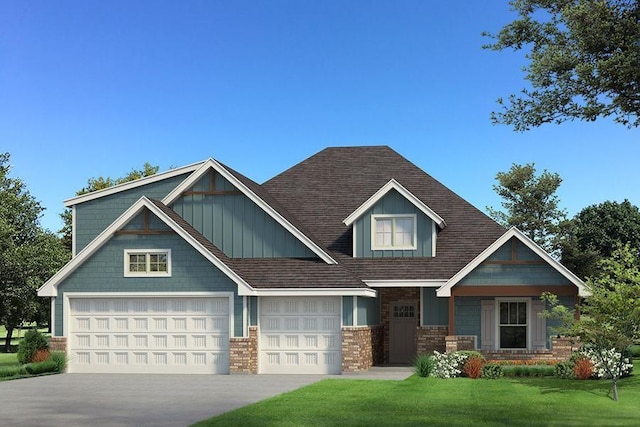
[[473, 367], [12, 371], [606, 362], [472, 354], [634, 351], [41, 367], [423, 365], [492, 371], [33, 341], [447, 365], [583, 368], [528, 371], [41, 355], [60, 359], [565, 370]]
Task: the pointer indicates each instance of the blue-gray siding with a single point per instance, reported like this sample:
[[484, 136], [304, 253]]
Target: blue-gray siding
[[94, 216], [347, 311], [191, 272], [236, 225], [393, 203], [368, 311], [435, 311]]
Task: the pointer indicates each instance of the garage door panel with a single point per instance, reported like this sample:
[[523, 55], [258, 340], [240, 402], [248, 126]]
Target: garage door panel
[[300, 335], [135, 335]]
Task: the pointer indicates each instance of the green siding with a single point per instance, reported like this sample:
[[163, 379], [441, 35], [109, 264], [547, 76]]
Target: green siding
[[435, 311], [393, 203], [368, 311], [94, 216], [236, 225], [191, 272], [347, 311]]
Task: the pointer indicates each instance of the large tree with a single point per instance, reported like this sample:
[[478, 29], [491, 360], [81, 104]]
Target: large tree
[[28, 254], [583, 61], [100, 183], [530, 203], [596, 231]]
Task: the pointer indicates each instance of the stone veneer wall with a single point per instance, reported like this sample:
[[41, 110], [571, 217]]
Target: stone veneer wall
[[389, 296], [431, 338], [360, 347], [460, 342], [58, 344], [243, 353], [562, 347]]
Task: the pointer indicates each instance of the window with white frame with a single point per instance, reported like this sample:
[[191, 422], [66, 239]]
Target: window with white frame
[[513, 324], [147, 263], [393, 232]]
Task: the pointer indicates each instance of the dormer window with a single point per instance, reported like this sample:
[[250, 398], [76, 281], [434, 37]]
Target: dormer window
[[393, 232]]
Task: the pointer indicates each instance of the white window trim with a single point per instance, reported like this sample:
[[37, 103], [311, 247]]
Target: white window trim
[[375, 217], [147, 273], [497, 321]]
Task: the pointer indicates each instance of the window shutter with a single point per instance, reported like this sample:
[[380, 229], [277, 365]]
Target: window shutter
[[538, 326], [488, 325]]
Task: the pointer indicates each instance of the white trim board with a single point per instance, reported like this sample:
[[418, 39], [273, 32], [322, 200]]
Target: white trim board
[[411, 283], [213, 164], [395, 185], [445, 291], [310, 292]]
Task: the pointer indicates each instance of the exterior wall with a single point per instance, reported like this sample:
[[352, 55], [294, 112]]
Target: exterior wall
[[235, 224], [468, 316], [387, 297], [360, 348], [58, 344], [460, 343], [95, 215], [563, 347], [368, 311], [243, 353], [432, 338], [393, 203], [435, 310], [191, 272]]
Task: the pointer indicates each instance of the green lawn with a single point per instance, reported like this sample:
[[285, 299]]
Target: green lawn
[[459, 401], [8, 359]]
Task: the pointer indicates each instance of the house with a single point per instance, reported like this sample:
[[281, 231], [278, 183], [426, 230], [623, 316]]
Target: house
[[351, 258]]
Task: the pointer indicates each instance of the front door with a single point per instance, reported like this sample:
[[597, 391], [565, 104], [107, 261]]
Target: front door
[[402, 333]]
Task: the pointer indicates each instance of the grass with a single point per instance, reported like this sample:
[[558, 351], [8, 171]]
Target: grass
[[458, 401], [9, 359]]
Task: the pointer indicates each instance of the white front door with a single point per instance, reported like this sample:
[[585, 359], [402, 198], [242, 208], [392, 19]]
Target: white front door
[[184, 335], [300, 335]]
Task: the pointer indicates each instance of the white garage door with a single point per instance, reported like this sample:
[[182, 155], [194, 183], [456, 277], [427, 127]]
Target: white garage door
[[300, 335], [149, 335]]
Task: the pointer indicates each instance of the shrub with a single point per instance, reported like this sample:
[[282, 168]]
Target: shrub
[[606, 362], [492, 371], [473, 367], [41, 355], [41, 367], [423, 365], [472, 354], [12, 371], [565, 370], [634, 351], [60, 360], [33, 341], [528, 371], [447, 365], [583, 368]]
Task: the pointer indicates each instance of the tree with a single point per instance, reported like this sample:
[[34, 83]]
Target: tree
[[530, 202], [610, 320], [583, 61], [100, 183], [596, 231], [28, 254]]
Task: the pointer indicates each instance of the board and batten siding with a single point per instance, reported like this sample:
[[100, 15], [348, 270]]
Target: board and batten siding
[[94, 216], [435, 310], [190, 272], [235, 224], [393, 203]]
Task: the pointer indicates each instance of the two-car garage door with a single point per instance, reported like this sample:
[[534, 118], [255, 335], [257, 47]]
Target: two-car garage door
[[149, 335]]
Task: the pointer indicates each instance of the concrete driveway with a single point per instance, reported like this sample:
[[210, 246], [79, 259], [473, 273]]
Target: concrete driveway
[[135, 400]]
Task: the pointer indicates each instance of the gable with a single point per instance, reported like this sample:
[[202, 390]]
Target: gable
[[393, 203], [235, 223]]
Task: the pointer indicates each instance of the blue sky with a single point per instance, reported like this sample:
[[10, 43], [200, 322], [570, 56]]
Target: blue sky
[[94, 88]]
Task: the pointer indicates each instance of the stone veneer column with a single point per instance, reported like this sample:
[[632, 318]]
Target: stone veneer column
[[243, 353], [58, 344], [563, 347], [357, 349], [460, 342], [431, 338]]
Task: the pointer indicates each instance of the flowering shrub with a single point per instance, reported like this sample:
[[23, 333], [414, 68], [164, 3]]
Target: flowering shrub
[[447, 365], [608, 363], [492, 371]]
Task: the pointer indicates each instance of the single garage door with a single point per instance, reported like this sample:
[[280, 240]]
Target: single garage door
[[149, 335], [300, 335]]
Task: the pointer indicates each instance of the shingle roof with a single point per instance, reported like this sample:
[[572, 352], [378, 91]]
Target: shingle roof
[[324, 189]]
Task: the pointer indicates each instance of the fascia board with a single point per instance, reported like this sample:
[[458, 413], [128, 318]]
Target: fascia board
[[445, 291], [395, 185], [411, 283], [281, 292], [131, 184], [211, 163]]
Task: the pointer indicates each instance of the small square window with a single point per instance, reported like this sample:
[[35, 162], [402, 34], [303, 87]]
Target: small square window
[[147, 263], [393, 232]]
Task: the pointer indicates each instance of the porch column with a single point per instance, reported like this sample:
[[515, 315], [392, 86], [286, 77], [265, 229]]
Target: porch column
[[452, 315]]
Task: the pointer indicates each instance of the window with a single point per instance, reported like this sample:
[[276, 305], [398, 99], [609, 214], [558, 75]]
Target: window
[[147, 263], [513, 324], [393, 232]]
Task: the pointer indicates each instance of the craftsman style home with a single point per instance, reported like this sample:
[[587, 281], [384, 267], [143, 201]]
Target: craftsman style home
[[351, 258]]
